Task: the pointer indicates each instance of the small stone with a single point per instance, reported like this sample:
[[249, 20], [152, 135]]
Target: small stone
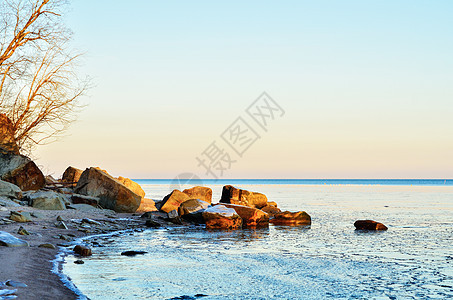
[[15, 283], [22, 231], [369, 225], [82, 250], [61, 225], [79, 262], [20, 217], [47, 245]]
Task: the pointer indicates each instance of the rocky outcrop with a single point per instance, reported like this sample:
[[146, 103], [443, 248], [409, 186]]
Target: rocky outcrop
[[71, 174], [233, 195], [21, 171], [132, 185], [112, 194], [7, 140], [199, 192], [221, 217], [291, 218], [146, 205], [46, 200], [369, 225], [251, 217], [10, 190], [271, 210], [172, 201]]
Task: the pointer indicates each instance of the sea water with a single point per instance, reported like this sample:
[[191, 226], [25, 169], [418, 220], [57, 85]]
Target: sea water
[[328, 260]]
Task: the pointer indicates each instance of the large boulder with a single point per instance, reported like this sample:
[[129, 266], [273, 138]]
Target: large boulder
[[172, 201], [193, 209], [271, 210], [199, 192], [291, 218], [146, 205], [71, 174], [132, 185], [369, 225], [251, 217], [233, 195], [46, 200], [10, 190], [21, 171], [221, 217], [7, 140], [112, 194]]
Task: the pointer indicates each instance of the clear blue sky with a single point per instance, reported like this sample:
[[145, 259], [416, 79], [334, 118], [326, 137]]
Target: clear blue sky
[[366, 87]]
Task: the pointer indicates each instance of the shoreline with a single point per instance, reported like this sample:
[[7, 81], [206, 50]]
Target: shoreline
[[41, 268]]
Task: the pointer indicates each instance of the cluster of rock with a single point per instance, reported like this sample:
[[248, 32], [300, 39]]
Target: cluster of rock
[[237, 208]]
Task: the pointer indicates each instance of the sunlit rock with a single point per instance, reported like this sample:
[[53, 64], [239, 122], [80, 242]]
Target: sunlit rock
[[369, 225], [291, 218], [199, 192], [251, 217], [221, 217], [233, 195]]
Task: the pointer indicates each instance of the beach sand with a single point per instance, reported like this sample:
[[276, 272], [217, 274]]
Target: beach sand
[[33, 265]]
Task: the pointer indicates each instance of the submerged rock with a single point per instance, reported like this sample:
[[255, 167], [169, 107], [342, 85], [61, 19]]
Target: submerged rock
[[369, 225], [221, 217], [82, 250], [199, 192], [251, 217], [233, 195], [291, 218], [132, 253], [112, 193], [9, 240]]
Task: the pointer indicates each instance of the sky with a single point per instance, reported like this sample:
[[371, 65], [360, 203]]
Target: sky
[[365, 89]]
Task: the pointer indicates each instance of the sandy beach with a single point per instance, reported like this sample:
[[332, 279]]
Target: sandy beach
[[33, 265]]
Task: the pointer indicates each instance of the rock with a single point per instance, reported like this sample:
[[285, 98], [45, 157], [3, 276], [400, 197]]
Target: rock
[[21, 217], [192, 206], [132, 185], [47, 245], [233, 195], [21, 171], [251, 217], [22, 231], [7, 140], [173, 200], [8, 294], [271, 210], [71, 174], [272, 203], [46, 200], [82, 207], [221, 217], [90, 221], [82, 199], [132, 253], [291, 218], [146, 205], [61, 225], [199, 192], [173, 217], [8, 203], [369, 225], [9, 240], [152, 224], [79, 262], [112, 194], [82, 250], [50, 180], [10, 190], [14, 283]]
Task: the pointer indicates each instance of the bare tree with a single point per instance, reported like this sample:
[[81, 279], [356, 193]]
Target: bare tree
[[39, 90]]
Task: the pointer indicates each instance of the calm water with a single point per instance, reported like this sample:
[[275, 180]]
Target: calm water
[[330, 260]]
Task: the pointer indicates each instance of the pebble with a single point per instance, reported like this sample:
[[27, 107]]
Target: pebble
[[47, 245], [22, 231], [132, 253], [79, 262]]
